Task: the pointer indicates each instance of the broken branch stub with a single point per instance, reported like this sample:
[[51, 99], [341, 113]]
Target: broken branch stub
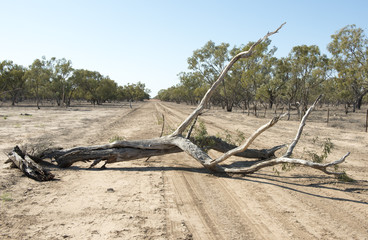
[[29, 167]]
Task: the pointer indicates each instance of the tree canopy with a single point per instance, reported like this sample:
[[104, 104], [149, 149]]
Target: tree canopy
[[295, 80], [56, 80]]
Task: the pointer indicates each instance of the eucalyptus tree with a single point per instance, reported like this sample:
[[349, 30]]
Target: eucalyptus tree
[[349, 49], [141, 91], [107, 89], [3, 76], [61, 84], [308, 68], [192, 86], [209, 61], [288, 86], [87, 83], [164, 95], [250, 74], [273, 88], [38, 78], [12, 79], [134, 92]]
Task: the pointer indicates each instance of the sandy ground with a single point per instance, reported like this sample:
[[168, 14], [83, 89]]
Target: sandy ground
[[172, 196]]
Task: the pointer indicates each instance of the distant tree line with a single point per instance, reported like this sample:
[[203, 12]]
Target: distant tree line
[[267, 81], [56, 79]]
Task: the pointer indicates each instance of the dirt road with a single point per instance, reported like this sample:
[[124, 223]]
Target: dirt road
[[172, 196]]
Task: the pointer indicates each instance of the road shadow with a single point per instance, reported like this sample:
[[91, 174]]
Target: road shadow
[[291, 183], [277, 181]]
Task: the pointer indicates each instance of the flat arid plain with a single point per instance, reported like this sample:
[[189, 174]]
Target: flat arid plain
[[172, 196]]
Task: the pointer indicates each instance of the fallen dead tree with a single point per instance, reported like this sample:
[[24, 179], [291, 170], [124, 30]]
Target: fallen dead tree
[[176, 142]]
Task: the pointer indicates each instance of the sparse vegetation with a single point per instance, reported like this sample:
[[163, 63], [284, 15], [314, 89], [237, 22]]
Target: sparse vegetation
[[116, 138], [326, 146], [6, 197], [201, 137], [345, 178]]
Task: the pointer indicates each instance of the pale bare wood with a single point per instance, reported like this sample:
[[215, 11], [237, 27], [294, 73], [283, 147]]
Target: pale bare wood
[[249, 141], [281, 160], [301, 127]]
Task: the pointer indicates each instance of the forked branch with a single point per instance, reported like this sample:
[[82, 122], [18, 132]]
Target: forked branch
[[285, 158], [249, 141], [281, 160], [301, 127]]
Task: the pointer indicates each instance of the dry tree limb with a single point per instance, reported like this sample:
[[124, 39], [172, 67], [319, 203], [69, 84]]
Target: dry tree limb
[[249, 141], [192, 127], [301, 127], [286, 157], [162, 132], [281, 160], [223, 147]]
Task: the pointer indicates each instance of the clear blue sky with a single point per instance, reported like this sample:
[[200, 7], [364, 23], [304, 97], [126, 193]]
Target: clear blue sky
[[150, 41]]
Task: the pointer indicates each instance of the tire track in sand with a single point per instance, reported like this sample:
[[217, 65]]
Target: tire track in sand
[[270, 208]]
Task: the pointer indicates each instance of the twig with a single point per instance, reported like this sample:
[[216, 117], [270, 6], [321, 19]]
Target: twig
[[162, 132], [191, 128]]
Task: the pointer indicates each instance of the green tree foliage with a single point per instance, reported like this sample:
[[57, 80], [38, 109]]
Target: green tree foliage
[[308, 70], [56, 79], [349, 48], [208, 62], [240, 85], [272, 90], [133, 92], [192, 87], [254, 74], [38, 80], [294, 80], [94, 87], [61, 85], [11, 80], [88, 83]]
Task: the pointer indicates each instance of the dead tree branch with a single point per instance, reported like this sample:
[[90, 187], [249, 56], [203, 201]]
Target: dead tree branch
[[247, 143], [175, 142], [301, 127]]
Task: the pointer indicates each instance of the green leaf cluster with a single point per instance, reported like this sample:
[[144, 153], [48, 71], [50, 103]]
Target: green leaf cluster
[[326, 146], [201, 137]]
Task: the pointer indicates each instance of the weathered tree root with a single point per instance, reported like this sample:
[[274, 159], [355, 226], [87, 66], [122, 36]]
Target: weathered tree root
[[176, 142]]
